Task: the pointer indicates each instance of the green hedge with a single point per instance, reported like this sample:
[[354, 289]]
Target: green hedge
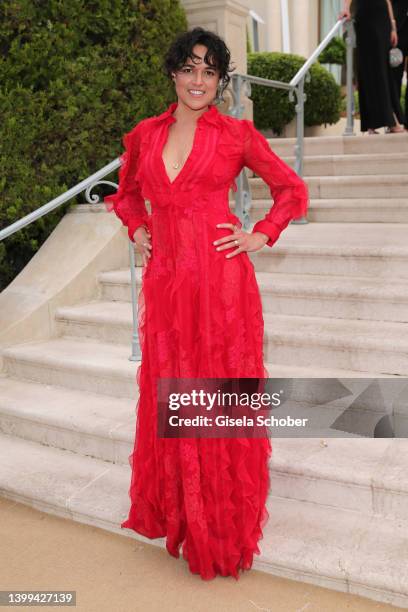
[[334, 53], [272, 108], [74, 77]]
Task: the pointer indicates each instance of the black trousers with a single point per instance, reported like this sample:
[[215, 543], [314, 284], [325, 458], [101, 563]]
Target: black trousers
[[377, 92], [398, 72]]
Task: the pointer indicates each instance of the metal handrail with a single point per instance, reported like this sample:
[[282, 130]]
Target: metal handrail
[[85, 185], [295, 87], [242, 195], [313, 58]]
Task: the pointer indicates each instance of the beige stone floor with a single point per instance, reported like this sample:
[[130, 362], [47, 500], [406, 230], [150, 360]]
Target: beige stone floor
[[115, 573]]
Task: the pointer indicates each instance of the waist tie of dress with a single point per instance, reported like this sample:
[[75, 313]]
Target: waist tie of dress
[[191, 203]]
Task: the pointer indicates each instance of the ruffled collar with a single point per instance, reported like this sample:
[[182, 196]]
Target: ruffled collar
[[211, 115]]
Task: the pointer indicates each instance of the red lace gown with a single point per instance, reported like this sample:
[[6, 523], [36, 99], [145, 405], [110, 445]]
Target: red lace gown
[[200, 315]]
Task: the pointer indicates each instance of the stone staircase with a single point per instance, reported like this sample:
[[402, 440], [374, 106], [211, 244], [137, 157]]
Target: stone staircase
[[351, 180], [335, 297]]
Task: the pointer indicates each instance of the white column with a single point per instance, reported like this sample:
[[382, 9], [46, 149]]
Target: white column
[[228, 19], [304, 22], [284, 6]]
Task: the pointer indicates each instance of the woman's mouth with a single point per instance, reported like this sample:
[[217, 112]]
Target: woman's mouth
[[196, 92]]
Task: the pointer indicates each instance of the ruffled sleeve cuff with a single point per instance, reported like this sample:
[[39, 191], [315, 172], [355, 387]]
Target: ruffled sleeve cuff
[[270, 229], [128, 202], [288, 190]]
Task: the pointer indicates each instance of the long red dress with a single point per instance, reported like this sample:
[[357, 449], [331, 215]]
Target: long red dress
[[200, 315]]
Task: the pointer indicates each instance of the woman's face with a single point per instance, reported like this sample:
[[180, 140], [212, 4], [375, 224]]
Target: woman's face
[[196, 82]]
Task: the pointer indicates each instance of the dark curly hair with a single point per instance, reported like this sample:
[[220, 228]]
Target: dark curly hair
[[218, 55]]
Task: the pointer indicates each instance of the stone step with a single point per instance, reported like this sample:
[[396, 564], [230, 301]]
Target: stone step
[[327, 187], [74, 363], [343, 145], [299, 294], [349, 165], [86, 423], [360, 474], [346, 210], [351, 249], [342, 297], [115, 284], [105, 321], [337, 343], [301, 540], [105, 368], [379, 346], [365, 475], [341, 550], [351, 344]]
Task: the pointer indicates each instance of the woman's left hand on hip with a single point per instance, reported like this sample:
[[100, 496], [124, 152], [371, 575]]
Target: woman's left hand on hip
[[243, 241]]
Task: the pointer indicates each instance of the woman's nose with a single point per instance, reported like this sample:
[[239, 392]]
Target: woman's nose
[[198, 79]]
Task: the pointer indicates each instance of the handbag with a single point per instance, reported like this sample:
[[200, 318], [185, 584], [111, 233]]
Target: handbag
[[396, 57]]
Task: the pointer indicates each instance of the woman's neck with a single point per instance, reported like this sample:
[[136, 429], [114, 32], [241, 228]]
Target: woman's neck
[[188, 115]]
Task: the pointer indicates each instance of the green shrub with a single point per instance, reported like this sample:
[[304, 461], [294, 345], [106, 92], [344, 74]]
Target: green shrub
[[74, 77], [272, 107], [334, 53]]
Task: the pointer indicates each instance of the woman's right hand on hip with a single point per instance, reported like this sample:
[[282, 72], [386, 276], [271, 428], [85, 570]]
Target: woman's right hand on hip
[[142, 238]]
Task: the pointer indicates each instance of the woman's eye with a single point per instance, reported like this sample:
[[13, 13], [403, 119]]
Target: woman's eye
[[208, 72]]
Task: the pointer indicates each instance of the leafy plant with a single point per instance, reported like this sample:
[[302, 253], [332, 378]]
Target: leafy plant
[[272, 107], [334, 53], [75, 76]]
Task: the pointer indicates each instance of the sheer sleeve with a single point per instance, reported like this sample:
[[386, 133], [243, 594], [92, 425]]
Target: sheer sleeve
[[288, 190], [128, 203]]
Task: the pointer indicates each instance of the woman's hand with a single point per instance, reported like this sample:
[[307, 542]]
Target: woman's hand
[[394, 38], [346, 10], [243, 241], [142, 242], [345, 13]]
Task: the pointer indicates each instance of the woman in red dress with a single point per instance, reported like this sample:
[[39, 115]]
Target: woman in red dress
[[200, 311]]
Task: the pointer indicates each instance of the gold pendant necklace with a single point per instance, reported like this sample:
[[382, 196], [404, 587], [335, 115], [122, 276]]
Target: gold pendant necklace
[[176, 165]]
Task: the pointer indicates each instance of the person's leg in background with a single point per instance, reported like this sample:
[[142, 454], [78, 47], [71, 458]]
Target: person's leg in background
[[403, 45], [406, 94], [401, 15]]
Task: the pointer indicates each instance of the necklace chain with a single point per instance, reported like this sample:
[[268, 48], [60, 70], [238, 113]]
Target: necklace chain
[[177, 164]]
